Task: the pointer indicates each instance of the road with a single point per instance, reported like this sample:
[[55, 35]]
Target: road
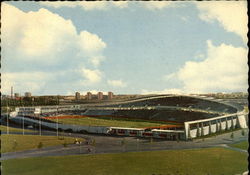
[[112, 144]]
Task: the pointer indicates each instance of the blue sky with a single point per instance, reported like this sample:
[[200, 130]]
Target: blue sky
[[124, 47]]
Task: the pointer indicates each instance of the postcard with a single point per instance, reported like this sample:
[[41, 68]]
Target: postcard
[[124, 88]]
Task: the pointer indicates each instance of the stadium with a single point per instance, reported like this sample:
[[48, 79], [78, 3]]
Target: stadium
[[176, 117]]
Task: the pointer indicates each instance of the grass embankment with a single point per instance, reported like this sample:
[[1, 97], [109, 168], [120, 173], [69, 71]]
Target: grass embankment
[[212, 161], [108, 121], [12, 142], [240, 145], [11, 129]]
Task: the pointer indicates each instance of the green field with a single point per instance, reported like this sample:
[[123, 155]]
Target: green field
[[11, 129], [212, 161], [107, 121], [25, 142], [241, 145]]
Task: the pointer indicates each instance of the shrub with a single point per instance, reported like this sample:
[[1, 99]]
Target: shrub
[[61, 138], [69, 130], [93, 142], [14, 145], [83, 132], [242, 132], [232, 135], [65, 144], [123, 142], [151, 140], [40, 145]]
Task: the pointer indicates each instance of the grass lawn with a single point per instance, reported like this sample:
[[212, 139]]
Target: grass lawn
[[241, 145], [212, 161], [25, 142], [110, 122], [11, 129]]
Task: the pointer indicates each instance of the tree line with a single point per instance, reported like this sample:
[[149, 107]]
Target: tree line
[[30, 101]]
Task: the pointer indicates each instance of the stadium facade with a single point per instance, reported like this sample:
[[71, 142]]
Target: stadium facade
[[190, 116]]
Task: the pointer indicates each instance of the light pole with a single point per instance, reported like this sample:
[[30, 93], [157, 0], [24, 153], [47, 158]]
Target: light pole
[[80, 147], [23, 122], [137, 144], [40, 129], [57, 121], [7, 119]]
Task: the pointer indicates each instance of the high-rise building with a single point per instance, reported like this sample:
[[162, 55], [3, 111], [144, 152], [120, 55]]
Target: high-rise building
[[27, 94], [110, 95], [100, 95], [89, 95], [77, 96]]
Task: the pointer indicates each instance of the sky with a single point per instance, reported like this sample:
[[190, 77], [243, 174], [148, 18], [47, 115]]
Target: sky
[[58, 48]]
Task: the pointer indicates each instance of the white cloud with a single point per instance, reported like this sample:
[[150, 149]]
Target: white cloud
[[90, 43], [43, 35], [42, 41], [35, 33], [224, 69], [59, 4], [159, 5], [120, 4], [87, 5], [152, 5], [184, 18], [23, 81], [199, 56], [117, 83], [232, 15], [96, 60], [165, 91], [90, 5], [169, 76], [92, 76]]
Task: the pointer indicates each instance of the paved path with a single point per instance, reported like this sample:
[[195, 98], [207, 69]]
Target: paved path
[[112, 144], [233, 148]]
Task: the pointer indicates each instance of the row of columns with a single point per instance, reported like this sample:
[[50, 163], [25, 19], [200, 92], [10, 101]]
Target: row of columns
[[218, 124]]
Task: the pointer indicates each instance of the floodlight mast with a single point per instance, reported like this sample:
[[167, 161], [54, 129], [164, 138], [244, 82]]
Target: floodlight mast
[[57, 121], [7, 118], [23, 120], [40, 129]]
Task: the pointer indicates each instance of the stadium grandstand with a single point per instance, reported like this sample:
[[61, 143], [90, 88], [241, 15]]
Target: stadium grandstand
[[185, 116]]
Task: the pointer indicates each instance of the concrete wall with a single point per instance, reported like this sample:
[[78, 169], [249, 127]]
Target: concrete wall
[[242, 121], [198, 132], [74, 128]]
